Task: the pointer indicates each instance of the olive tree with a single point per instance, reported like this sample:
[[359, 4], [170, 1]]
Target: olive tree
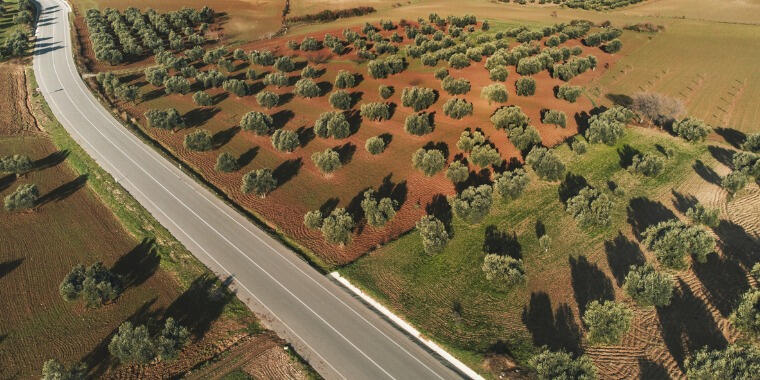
[[457, 172], [752, 143], [607, 321], [469, 140], [276, 79], [561, 365], [313, 219], [332, 124], [495, 92], [672, 240], [176, 85], [375, 111], [473, 203], [702, 215], [17, 164], [418, 98], [429, 161], [510, 184], [418, 124], [337, 226], [326, 161], [525, 86], [484, 155], [284, 64], [734, 181], [257, 122], [609, 126], [259, 182], [505, 270], [199, 140], [459, 61], [649, 287], [378, 212], [95, 284], [545, 163], [737, 361], [344, 79], [647, 164], [746, 317], [457, 108], [236, 86], [285, 140], [132, 344], [455, 86], [385, 91], [52, 369], [691, 129], [164, 119], [498, 73], [202, 98], [310, 72], [433, 233], [590, 207], [267, 99], [226, 163], [306, 88], [340, 99], [156, 75], [555, 117], [569, 93], [24, 197], [375, 145]]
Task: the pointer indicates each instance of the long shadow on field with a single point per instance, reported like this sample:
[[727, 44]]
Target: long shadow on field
[[736, 243], [7, 181], [724, 280], [723, 155], [482, 177], [440, 208], [201, 304], [8, 266], [153, 94], [287, 170], [305, 135], [643, 212], [354, 208], [501, 242], [621, 254], [649, 370], [589, 283], [687, 325], [706, 172], [247, 156], [683, 202], [346, 152], [732, 136], [52, 159], [199, 116], [396, 191], [442, 146], [280, 118], [137, 265], [571, 186], [224, 136], [556, 329], [620, 99], [329, 205], [626, 154], [64, 191]]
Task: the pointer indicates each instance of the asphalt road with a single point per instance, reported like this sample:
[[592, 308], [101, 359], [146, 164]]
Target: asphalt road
[[336, 333]]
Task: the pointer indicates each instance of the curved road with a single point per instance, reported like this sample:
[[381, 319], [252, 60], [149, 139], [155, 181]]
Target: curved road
[[335, 332]]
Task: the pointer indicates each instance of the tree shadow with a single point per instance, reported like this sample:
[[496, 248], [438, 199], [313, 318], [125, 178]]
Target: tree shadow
[[723, 155], [8, 266], [554, 329], [247, 156], [621, 254], [440, 208], [324, 87], [735, 242], [305, 135], [280, 118], [7, 181], [329, 205], [724, 280], [687, 325], [501, 242], [287, 170], [256, 87], [346, 152], [482, 177], [199, 116], [571, 186], [732, 136], [224, 136], [201, 304], [396, 191], [387, 138], [626, 154], [354, 207], [649, 370], [442, 146], [356, 97], [589, 283], [153, 94], [220, 97], [540, 228], [683, 202], [354, 120], [137, 265], [643, 212], [285, 99], [706, 172], [64, 191], [619, 99], [52, 159]]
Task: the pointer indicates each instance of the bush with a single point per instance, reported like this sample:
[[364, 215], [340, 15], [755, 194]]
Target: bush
[[560, 365], [510, 184], [691, 129], [164, 119], [498, 73], [495, 92], [649, 287], [310, 44], [441, 73], [429, 161], [609, 126], [177, 85], [226, 163], [310, 72], [96, 285], [284, 64], [267, 99], [504, 269], [375, 111], [418, 98], [473, 203], [375, 145], [17, 164], [418, 124], [337, 226], [459, 61], [306, 88], [569, 93], [672, 240], [259, 182], [613, 46], [378, 212], [199, 140], [737, 361], [326, 161], [590, 207], [340, 99], [607, 321], [457, 86], [525, 86], [545, 163], [202, 98], [344, 79], [259, 123], [433, 233], [456, 108], [485, 155], [458, 172], [285, 140], [555, 117], [236, 86], [276, 79], [703, 215], [385, 91], [332, 124]]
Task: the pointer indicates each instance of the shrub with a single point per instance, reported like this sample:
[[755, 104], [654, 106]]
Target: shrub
[[456, 108], [544, 243], [734, 181], [226, 163], [236, 86], [609, 126], [202, 98], [267, 99], [132, 344], [332, 124], [310, 44], [648, 287], [561, 365], [555, 117], [525, 86], [375, 145], [17, 164], [590, 207], [459, 61], [579, 146], [457, 86], [378, 68], [672, 240], [341, 100], [498, 73], [495, 92], [506, 270], [657, 108], [199, 140], [310, 72], [385, 91], [326, 161], [433, 233], [284, 64], [378, 212], [613, 46], [468, 140], [473, 203], [285, 140], [647, 164], [545, 163], [306, 88], [691, 129], [746, 317], [703, 215], [418, 124], [607, 321], [164, 119], [429, 161], [176, 85], [259, 182], [24, 197], [337, 226], [484, 155], [457, 172], [313, 219], [52, 369], [211, 78], [276, 79], [259, 123], [441, 73], [156, 75], [344, 79], [569, 93], [418, 98], [737, 361], [95, 284], [510, 184], [375, 111]]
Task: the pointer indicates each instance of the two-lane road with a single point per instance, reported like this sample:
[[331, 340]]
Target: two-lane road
[[336, 333]]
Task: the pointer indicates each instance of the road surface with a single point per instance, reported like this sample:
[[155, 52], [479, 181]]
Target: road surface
[[339, 336]]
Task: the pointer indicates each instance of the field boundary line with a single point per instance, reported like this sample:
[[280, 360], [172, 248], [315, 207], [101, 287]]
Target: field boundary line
[[405, 326]]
